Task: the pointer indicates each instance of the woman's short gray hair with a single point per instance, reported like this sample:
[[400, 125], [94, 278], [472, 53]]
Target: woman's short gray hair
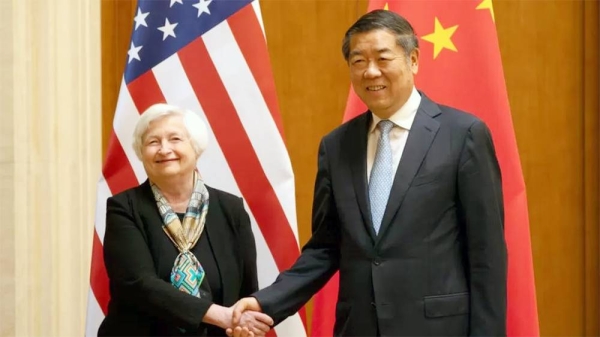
[[194, 125]]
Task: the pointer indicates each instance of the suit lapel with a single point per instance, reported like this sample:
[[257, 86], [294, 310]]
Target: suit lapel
[[356, 147], [420, 137]]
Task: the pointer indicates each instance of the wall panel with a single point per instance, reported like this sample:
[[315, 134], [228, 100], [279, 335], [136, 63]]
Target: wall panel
[[591, 93], [543, 52], [117, 21]]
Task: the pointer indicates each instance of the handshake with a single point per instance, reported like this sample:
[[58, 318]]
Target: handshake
[[243, 319]]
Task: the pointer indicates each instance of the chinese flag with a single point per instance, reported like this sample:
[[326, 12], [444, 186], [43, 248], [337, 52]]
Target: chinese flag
[[460, 66]]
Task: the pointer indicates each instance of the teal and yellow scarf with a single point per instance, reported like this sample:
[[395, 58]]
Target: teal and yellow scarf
[[187, 273]]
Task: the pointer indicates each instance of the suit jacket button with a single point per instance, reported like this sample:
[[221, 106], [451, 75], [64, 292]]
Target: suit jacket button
[[376, 262]]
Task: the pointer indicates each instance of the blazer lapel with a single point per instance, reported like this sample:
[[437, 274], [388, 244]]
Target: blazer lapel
[[420, 137], [147, 206], [356, 140]]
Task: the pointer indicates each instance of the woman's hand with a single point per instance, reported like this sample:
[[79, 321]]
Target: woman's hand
[[219, 315]]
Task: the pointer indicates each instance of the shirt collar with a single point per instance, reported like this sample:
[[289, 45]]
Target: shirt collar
[[405, 116]]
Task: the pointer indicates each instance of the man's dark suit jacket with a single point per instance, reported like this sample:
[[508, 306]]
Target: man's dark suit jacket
[[438, 265], [139, 257]]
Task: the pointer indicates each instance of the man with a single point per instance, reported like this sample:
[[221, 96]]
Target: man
[[407, 206]]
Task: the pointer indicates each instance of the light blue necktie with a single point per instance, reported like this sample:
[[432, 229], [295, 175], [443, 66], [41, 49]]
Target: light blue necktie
[[380, 182]]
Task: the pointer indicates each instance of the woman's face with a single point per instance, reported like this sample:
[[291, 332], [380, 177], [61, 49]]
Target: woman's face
[[167, 149]]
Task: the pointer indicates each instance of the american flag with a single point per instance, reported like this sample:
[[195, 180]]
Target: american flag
[[209, 56]]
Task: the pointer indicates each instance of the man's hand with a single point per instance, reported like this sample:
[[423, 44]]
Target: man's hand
[[256, 322], [247, 303], [252, 324], [247, 321]]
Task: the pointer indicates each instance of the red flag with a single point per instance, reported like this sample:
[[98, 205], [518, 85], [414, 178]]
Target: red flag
[[209, 57], [460, 66]]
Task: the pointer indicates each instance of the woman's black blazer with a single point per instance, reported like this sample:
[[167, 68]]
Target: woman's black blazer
[[139, 256]]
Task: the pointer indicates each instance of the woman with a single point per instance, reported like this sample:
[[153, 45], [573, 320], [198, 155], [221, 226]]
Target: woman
[[177, 252]]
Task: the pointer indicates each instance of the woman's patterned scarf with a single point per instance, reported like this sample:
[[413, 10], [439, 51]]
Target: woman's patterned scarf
[[187, 273]]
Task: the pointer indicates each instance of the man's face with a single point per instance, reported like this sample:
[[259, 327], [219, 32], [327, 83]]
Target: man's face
[[380, 72]]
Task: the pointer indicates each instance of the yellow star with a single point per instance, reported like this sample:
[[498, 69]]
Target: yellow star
[[386, 7], [487, 4], [441, 38]]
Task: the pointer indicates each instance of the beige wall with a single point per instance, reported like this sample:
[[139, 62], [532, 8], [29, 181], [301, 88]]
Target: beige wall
[[49, 163]]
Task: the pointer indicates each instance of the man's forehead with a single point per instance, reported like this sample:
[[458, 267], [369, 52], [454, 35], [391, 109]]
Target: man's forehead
[[377, 40], [375, 47]]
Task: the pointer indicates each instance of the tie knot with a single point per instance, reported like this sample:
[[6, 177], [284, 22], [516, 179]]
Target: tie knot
[[385, 126]]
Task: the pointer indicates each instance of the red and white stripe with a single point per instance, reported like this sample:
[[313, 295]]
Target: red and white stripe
[[225, 76]]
